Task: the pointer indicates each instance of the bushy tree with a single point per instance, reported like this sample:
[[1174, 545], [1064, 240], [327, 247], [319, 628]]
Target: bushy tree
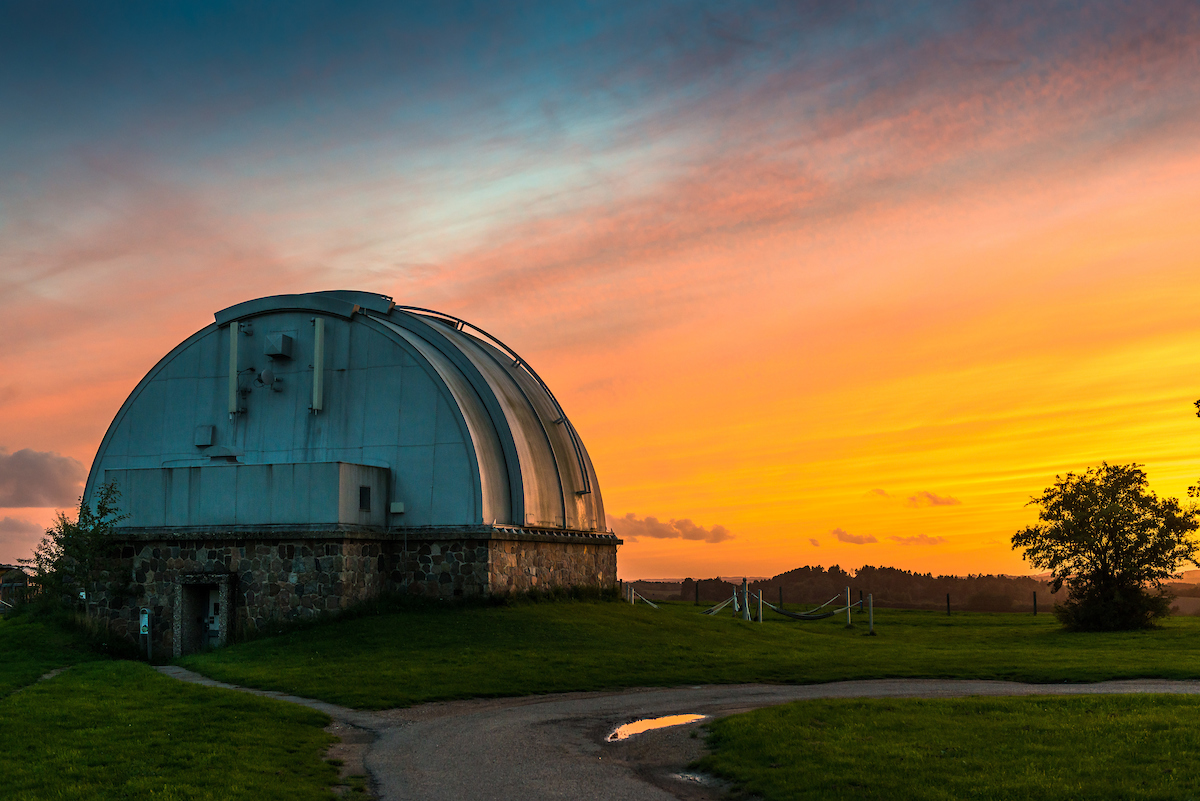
[[1113, 542], [64, 559]]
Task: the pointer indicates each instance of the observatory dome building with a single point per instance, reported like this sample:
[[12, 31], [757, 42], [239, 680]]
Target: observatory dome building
[[304, 452]]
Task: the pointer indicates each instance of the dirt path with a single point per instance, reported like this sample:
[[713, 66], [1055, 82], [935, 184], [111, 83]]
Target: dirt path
[[553, 747]]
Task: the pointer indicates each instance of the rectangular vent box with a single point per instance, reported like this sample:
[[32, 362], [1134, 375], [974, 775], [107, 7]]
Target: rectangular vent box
[[203, 437], [278, 345]]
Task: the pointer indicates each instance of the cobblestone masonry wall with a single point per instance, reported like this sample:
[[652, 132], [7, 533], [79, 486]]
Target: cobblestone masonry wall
[[441, 568], [273, 580], [518, 566], [290, 579], [458, 568]]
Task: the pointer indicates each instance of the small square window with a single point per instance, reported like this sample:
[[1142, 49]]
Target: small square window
[[364, 499]]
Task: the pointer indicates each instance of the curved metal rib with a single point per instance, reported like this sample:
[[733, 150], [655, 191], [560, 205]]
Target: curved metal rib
[[461, 325]]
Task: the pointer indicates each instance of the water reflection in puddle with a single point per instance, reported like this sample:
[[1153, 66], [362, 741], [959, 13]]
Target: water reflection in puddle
[[639, 726]]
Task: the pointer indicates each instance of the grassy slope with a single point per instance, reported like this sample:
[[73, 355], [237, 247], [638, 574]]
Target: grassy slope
[[30, 649], [110, 729], [436, 653], [1051, 748]]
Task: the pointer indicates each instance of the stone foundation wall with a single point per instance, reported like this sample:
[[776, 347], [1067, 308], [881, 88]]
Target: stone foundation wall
[[465, 568], [292, 579], [519, 566], [441, 569], [273, 580]]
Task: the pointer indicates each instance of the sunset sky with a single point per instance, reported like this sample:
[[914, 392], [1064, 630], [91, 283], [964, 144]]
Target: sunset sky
[[815, 285]]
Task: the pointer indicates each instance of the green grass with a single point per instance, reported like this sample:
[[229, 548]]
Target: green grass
[[118, 730], [111, 729], [30, 648], [1109, 747], [441, 652]]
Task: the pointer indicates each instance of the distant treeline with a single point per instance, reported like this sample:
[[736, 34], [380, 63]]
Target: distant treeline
[[891, 588]]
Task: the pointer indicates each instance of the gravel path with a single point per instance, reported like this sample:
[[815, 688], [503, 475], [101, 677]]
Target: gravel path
[[552, 746]]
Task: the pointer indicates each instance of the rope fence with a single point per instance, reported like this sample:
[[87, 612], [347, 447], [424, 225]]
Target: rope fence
[[741, 606]]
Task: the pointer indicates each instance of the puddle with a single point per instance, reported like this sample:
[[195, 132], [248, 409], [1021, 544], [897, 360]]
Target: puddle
[[695, 778], [639, 726]]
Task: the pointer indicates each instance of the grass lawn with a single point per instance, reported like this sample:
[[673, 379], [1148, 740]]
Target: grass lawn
[[434, 652], [1110, 747], [30, 649], [108, 729]]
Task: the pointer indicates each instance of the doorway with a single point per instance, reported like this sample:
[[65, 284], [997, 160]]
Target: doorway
[[201, 613]]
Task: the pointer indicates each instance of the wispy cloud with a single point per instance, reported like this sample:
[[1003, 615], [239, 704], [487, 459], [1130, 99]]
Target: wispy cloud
[[925, 498], [15, 525], [853, 539], [18, 538], [815, 543], [36, 478], [632, 527], [919, 539]]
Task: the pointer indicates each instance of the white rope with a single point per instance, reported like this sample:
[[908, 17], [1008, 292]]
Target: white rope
[[822, 606], [717, 608], [637, 594], [737, 606], [851, 606]]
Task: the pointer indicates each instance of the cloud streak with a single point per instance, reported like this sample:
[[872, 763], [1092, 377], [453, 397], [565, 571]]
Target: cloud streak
[[632, 527], [853, 539], [918, 539], [31, 478], [925, 498], [10, 526]]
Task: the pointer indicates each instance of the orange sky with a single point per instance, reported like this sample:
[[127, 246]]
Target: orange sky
[[875, 295]]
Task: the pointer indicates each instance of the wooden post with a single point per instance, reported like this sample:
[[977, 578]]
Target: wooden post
[[848, 623], [947, 604], [745, 598], [871, 614], [1035, 603], [760, 604], [697, 593]]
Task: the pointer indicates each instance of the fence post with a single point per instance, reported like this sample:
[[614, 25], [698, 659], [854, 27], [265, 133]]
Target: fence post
[[697, 593], [760, 592], [1035, 603], [947, 604], [871, 614], [781, 596], [848, 623], [745, 599]]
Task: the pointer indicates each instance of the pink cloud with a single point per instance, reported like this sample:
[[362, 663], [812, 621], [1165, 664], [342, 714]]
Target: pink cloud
[[925, 498], [919, 539], [853, 539], [632, 527]]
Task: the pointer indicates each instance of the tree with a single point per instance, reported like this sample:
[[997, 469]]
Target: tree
[[64, 559], [1112, 542]]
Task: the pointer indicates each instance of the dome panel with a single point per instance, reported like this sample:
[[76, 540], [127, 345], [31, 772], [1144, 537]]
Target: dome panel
[[464, 432]]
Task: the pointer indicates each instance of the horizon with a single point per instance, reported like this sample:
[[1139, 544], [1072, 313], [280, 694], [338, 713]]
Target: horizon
[[815, 286]]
